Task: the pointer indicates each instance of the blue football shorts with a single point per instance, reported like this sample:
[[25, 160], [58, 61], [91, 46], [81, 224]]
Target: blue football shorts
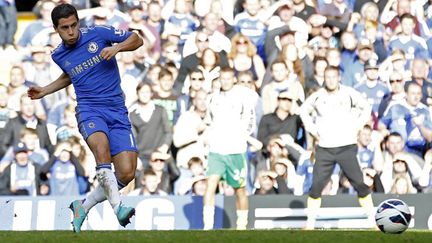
[[113, 121]]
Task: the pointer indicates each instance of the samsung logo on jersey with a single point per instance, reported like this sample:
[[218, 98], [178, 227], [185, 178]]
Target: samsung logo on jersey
[[78, 69]]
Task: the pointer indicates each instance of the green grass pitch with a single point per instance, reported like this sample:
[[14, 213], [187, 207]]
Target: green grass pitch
[[215, 236]]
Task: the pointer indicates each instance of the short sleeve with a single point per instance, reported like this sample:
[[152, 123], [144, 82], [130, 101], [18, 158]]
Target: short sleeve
[[111, 34]]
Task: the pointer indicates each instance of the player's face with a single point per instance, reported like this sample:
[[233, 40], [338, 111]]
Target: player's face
[[227, 80], [68, 29], [331, 80]]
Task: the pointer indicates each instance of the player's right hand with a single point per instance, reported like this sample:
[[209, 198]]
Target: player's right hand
[[35, 93]]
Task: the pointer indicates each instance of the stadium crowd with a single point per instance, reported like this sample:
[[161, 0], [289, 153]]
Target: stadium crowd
[[277, 49]]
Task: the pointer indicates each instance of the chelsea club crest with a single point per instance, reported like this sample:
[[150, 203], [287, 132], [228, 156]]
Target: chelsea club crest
[[92, 47]]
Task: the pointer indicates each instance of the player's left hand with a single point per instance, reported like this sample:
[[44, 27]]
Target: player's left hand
[[109, 52]]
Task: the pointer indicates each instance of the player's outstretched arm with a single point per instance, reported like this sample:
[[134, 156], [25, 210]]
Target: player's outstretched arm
[[39, 92], [130, 44]]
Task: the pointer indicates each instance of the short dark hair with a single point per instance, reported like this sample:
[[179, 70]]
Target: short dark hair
[[63, 11], [407, 16], [226, 70], [332, 68]]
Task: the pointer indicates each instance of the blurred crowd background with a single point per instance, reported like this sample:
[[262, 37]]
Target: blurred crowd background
[[279, 49]]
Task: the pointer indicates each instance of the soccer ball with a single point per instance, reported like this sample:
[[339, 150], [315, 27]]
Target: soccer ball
[[393, 216]]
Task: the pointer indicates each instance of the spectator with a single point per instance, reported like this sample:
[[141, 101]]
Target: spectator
[[155, 24], [210, 65], [165, 95], [243, 56], [324, 40], [317, 81], [149, 121], [369, 154], [37, 33], [297, 63], [355, 74], [170, 53], [252, 25], [191, 61], [150, 182], [348, 53], [8, 23], [138, 23], [193, 171], [217, 41], [412, 45], [395, 63], [420, 70], [283, 120], [396, 95], [166, 170], [394, 22], [180, 19], [18, 87], [402, 185], [65, 174], [21, 177], [372, 88], [369, 13], [38, 72], [184, 101], [335, 9], [199, 186], [190, 132], [26, 118], [411, 119], [269, 182], [109, 9], [283, 80], [285, 169], [30, 138], [394, 150]]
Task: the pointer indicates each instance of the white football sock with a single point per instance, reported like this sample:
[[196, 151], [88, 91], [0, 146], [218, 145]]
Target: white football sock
[[108, 182], [93, 198], [242, 219], [208, 217]]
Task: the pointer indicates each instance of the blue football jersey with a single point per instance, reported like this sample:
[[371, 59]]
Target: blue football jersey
[[96, 81]]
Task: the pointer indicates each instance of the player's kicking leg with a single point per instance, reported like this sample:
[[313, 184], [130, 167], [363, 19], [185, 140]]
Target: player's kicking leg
[[108, 187]]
